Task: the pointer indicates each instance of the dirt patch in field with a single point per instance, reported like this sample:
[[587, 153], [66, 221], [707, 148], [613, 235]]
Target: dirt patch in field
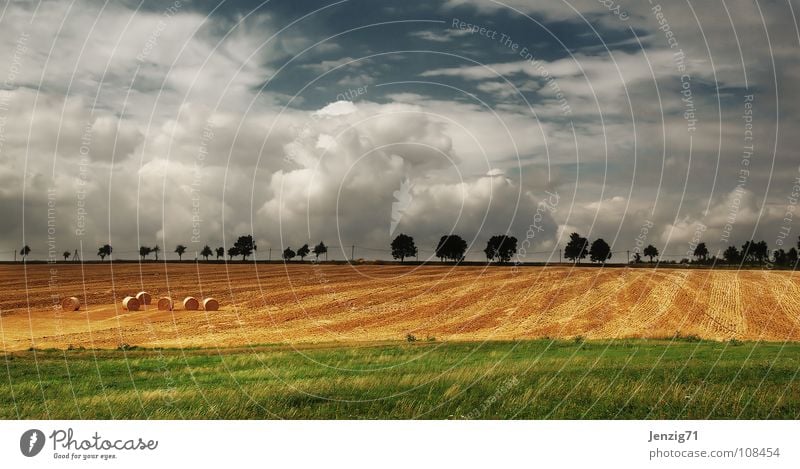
[[353, 304]]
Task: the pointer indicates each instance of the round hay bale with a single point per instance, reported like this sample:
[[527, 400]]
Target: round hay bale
[[166, 304], [210, 304], [190, 303], [130, 303], [70, 303], [144, 298]]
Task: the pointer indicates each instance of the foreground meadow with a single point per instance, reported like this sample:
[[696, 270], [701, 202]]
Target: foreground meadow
[[641, 379]]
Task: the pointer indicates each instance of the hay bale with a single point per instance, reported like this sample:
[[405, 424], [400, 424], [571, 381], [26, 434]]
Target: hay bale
[[130, 303], [210, 304], [70, 303], [190, 303], [144, 298], [166, 304]]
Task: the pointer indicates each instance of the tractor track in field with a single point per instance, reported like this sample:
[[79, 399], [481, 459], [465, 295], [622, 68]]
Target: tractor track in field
[[308, 304]]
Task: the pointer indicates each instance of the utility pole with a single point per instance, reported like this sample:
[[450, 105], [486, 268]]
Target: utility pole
[[269, 257], [629, 256], [352, 253], [559, 255], [15, 255]]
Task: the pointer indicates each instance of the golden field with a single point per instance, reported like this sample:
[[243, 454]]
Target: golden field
[[305, 303]]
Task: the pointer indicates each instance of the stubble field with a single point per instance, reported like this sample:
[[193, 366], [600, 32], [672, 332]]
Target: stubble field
[[342, 304]]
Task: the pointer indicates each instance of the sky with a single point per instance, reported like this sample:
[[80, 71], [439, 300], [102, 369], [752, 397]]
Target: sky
[[143, 123]]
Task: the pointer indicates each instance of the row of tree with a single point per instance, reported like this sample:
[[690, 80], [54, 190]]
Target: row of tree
[[500, 248]]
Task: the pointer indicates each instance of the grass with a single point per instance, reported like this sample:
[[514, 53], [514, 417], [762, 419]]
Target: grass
[[434, 380]]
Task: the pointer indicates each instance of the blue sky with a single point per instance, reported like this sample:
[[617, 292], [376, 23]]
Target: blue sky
[[194, 122]]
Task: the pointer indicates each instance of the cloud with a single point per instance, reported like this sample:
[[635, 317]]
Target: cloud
[[328, 65], [445, 35], [186, 110]]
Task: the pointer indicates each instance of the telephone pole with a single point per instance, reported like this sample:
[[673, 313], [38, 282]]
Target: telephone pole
[[352, 253], [269, 257], [559, 255]]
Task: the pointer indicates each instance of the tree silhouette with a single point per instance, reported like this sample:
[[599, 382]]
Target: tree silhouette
[[762, 252], [791, 257], [755, 252], [779, 257], [637, 259], [25, 251], [104, 250], [732, 255], [233, 251], [288, 254], [577, 248], [245, 245], [156, 249], [451, 247], [748, 252], [206, 251], [66, 255], [144, 251], [500, 247], [320, 249], [650, 251], [701, 252], [600, 251], [403, 246], [220, 252], [303, 252], [179, 250]]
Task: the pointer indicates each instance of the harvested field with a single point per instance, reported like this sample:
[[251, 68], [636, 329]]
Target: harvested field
[[305, 303]]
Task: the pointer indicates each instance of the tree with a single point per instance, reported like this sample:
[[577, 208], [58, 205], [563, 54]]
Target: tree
[[732, 255], [303, 252], [501, 247], [403, 246], [144, 251], [179, 250], [233, 251], [220, 252], [104, 250], [637, 259], [577, 248], [650, 251], [701, 252], [779, 257], [791, 257], [451, 247], [755, 251], [320, 249], [761, 252], [66, 255], [156, 250], [288, 254], [600, 251], [25, 251], [747, 251], [206, 251], [245, 245]]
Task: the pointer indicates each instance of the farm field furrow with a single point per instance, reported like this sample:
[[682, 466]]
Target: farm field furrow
[[305, 303]]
